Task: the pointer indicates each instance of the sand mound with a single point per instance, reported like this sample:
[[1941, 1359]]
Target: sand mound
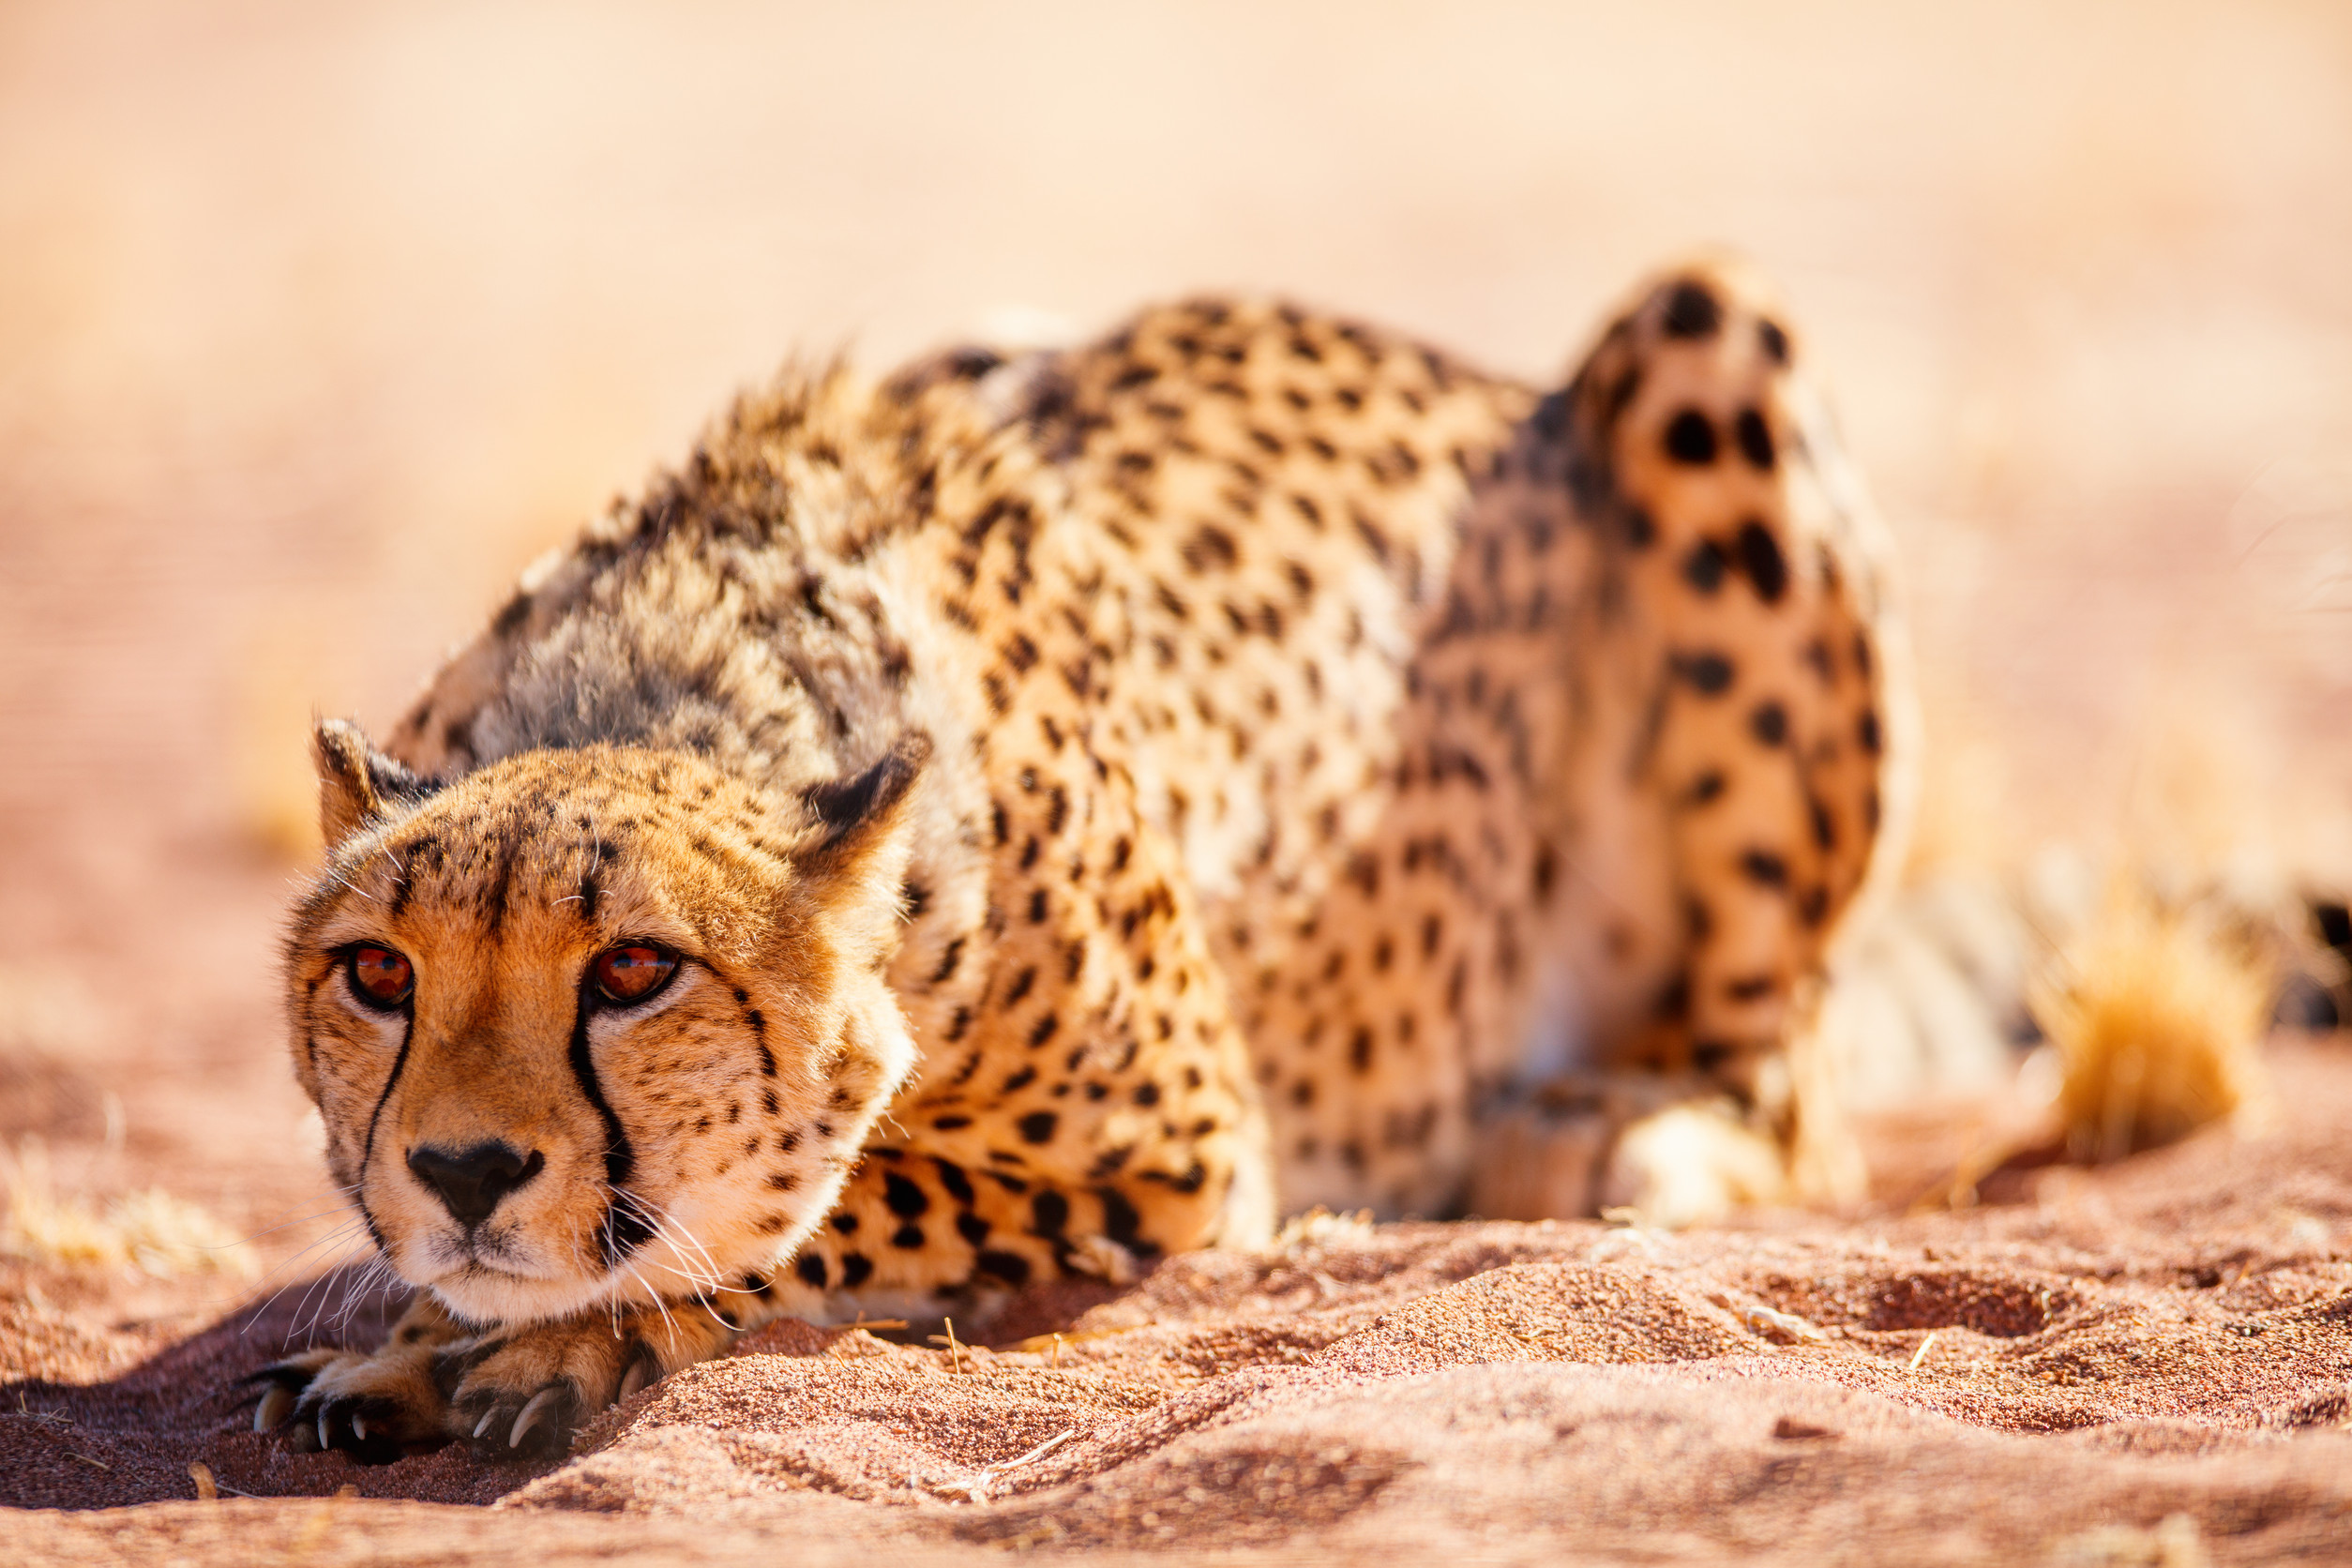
[[2143, 1364]]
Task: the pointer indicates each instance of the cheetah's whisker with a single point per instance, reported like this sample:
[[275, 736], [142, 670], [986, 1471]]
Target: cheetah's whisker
[[670, 1229], [346, 1231]]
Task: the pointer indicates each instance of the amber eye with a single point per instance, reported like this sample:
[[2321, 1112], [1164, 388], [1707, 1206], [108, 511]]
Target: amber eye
[[631, 972], [381, 977]]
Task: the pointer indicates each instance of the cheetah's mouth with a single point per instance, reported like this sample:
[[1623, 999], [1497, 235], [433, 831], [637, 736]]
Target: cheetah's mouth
[[496, 1255], [501, 1262]]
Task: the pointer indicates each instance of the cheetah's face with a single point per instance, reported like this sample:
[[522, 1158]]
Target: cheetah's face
[[596, 1025]]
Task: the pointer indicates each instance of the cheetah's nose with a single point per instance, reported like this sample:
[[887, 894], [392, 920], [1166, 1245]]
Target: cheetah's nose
[[469, 1182]]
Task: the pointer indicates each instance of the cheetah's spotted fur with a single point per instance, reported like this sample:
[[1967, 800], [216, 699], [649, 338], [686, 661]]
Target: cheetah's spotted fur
[[1094, 799]]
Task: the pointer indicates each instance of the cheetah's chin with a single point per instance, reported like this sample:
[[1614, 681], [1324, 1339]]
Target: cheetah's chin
[[483, 1294]]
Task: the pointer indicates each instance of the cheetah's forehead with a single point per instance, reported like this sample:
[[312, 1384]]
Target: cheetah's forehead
[[605, 842]]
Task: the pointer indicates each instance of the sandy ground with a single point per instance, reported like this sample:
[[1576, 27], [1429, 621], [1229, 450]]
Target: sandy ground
[[2147, 1363], [317, 323]]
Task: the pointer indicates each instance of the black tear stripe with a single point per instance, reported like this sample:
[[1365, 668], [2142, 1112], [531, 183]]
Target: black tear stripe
[[622, 1231], [368, 1149]]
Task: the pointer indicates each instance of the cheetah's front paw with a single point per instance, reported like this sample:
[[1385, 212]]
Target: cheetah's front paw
[[512, 1393], [520, 1393], [375, 1405]]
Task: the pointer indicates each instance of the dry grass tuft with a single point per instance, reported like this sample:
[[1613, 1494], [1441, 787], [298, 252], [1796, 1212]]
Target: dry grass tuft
[[2157, 1014], [152, 1231]]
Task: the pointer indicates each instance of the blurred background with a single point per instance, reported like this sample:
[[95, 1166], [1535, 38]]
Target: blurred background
[[317, 322]]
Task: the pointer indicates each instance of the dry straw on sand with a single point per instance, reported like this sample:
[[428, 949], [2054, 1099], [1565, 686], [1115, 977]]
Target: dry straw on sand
[[152, 1231]]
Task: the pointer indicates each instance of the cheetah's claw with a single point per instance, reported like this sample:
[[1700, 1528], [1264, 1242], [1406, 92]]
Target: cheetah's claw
[[503, 1424], [313, 1412]]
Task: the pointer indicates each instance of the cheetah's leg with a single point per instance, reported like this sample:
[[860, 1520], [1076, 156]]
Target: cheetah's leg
[[1746, 632], [918, 1231], [1089, 1109]]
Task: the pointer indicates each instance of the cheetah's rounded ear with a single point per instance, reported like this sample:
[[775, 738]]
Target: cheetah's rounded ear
[[357, 784], [861, 836], [853, 814]]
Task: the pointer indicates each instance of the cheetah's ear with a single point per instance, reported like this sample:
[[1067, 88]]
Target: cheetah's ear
[[853, 813], [357, 784], [857, 851]]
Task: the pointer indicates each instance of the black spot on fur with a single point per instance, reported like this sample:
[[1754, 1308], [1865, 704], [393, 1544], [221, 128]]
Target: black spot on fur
[[1774, 339], [952, 1178], [1210, 548], [903, 1198], [1692, 311], [1038, 1126], [811, 1269], [1690, 438], [1755, 437], [1049, 1211], [1010, 1267], [1707, 671], [1673, 1001], [1769, 723], [1762, 559], [1762, 866], [856, 1268], [1547, 869], [1703, 567]]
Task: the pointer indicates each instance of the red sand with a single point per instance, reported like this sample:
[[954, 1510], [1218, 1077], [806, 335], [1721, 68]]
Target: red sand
[[2143, 1364]]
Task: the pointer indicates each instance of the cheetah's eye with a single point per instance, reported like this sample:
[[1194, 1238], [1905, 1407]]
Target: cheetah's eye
[[379, 976], [631, 972]]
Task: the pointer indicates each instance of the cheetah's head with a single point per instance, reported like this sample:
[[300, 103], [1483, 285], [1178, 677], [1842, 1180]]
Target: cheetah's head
[[595, 1025]]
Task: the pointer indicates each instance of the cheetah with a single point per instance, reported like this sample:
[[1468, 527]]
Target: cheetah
[[1048, 810]]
